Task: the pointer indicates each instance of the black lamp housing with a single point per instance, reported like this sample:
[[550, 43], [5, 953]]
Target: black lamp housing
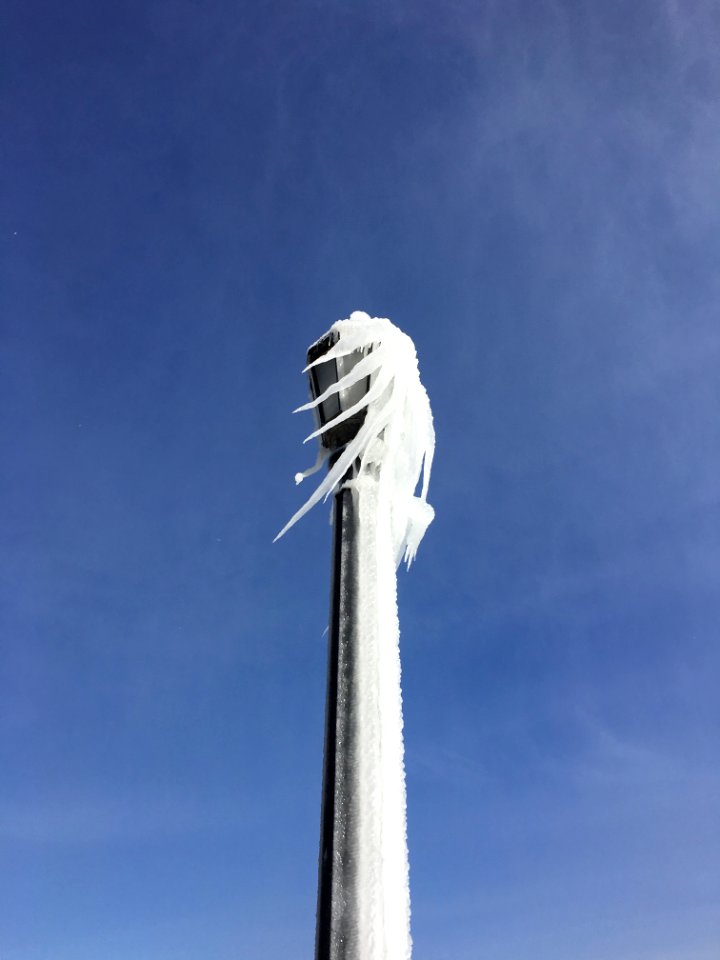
[[324, 375]]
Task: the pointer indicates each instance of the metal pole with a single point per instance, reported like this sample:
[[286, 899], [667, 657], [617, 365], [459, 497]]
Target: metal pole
[[337, 895], [363, 907]]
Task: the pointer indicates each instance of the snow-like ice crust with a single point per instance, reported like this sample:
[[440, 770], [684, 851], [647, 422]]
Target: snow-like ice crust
[[381, 896], [396, 441]]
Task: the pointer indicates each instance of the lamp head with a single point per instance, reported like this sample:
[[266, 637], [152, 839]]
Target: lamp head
[[324, 375]]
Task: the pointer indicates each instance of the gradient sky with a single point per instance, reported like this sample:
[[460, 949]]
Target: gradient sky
[[193, 192]]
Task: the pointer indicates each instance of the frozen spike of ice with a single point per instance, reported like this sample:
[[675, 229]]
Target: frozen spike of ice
[[355, 334], [338, 350], [376, 390], [328, 485], [398, 408], [334, 353], [420, 516], [361, 369], [336, 473]]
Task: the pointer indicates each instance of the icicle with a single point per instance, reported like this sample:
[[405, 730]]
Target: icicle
[[363, 368]]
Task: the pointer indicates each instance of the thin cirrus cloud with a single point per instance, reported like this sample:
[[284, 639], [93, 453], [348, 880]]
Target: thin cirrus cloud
[[91, 818]]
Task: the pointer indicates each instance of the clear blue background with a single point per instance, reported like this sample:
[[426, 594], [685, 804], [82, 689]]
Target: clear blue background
[[193, 192]]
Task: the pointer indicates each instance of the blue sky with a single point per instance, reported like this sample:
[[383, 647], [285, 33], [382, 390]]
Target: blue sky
[[190, 194]]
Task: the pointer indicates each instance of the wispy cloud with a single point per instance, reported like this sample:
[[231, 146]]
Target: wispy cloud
[[92, 818]]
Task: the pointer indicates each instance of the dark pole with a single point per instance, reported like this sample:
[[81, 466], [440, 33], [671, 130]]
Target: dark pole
[[336, 930], [336, 877]]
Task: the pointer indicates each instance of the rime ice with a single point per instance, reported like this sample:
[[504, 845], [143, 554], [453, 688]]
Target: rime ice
[[396, 441]]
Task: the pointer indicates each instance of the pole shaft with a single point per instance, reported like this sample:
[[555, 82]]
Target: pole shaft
[[363, 895], [336, 920]]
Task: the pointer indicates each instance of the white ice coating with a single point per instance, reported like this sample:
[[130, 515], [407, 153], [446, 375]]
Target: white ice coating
[[381, 892], [396, 441]]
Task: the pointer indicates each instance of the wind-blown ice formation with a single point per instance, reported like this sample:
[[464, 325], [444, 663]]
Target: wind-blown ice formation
[[396, 441]]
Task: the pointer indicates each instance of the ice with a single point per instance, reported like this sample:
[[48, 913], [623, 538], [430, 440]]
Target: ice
[[380, 842], [396, 441]]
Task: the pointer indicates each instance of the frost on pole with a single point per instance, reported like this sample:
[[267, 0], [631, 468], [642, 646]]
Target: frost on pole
[[396, 441], [381, 462]]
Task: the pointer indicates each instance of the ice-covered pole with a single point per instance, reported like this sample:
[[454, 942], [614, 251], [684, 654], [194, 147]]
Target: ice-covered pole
[[375, 427]]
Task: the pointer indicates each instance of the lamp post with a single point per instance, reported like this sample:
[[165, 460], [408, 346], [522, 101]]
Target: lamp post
[[375, 427], [337, 903]]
